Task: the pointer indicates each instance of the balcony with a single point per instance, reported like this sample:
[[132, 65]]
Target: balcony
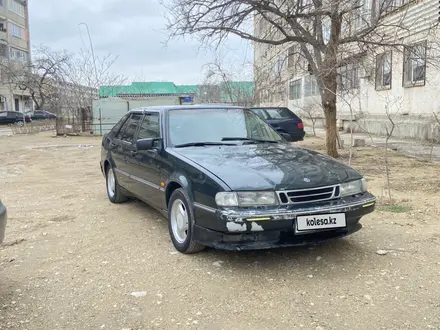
[[18, 43], [3, 28]]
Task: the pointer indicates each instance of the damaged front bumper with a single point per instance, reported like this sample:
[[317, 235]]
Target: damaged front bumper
[[268, 228]]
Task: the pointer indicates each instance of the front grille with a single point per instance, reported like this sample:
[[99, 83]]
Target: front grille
[[309, 195]]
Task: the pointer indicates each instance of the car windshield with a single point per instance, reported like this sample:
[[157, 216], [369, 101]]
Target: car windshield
[[218, 125]]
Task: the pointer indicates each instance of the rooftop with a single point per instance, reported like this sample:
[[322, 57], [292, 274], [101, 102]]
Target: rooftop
[[230, 91], [150, 87], [186, 107]]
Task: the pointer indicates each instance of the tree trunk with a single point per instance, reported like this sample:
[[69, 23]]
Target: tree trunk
[[329, 106], [330, 83], [331, 129]]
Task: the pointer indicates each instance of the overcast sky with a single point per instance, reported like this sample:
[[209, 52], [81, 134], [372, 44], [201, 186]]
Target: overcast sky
[[132, 29]]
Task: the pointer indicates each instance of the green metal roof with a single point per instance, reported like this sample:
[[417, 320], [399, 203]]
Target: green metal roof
[[151, 87], [188, 88], [236, 89], [165, 87]]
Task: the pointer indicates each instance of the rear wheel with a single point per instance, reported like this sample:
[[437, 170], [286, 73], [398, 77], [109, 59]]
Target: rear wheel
[[114, 193], [180, 223], [19, 123]]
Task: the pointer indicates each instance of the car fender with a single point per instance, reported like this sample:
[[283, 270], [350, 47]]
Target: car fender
[[182, 180]]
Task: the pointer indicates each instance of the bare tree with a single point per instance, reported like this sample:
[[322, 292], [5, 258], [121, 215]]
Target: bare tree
[[40, 77], [83, 75], [435, 138], [226, 82], [324, 31], [312, 112]]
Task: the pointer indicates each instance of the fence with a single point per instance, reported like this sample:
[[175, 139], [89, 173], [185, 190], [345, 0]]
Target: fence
[[34, 127], [78, 122]]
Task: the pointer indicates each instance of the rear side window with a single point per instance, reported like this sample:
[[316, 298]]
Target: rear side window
[[150, 128], [129, 129], [261, 113], [280, 113]]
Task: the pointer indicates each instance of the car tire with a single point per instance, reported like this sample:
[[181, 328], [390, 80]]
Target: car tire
[[180, 223], [19, 123], [114, 193]]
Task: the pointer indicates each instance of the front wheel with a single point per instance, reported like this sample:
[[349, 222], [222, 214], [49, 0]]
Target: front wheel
[[114, 192], [180, 223]]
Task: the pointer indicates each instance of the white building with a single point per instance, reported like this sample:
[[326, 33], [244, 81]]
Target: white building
[[14, 48], [403, 81]]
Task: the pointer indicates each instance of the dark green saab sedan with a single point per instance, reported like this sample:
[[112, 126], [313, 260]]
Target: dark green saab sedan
[[225, 179]]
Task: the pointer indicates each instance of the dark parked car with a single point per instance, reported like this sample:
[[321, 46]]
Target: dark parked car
[[3, 219], [42, 115], [283, 120], [224, 178], [14, 117]]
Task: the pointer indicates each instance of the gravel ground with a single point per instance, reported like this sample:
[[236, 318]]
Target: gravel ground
[[73, 260]]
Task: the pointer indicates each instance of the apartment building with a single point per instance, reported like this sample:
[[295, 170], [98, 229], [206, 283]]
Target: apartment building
[[402, 80], [14, 51]]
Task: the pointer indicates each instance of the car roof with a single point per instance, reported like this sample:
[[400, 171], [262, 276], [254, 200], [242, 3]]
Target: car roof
[[185, 107], [268, 108]]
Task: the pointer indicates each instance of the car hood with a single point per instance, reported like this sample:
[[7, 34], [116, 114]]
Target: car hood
[[269, 166]]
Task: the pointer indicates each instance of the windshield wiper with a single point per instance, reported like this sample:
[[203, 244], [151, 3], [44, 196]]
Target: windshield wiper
[[202, 144], [248, 139]]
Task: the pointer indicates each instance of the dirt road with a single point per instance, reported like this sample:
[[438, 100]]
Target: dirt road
[[73, 260]]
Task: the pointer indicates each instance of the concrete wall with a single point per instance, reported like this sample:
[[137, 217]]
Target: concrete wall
[[406, 127], [107, 112]]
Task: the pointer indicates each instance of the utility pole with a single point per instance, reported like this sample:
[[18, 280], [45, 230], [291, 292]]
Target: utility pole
[[96, 84], [91, 48]]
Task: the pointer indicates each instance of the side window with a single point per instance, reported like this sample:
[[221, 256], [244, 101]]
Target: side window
[[117, 128], [129, 129], [150, 128]]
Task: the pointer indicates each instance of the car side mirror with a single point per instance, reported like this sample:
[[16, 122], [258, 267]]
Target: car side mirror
[[145, 144]]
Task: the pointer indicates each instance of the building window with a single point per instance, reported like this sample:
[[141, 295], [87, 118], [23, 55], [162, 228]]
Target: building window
[[278, 67], [414, 65], [295, 89], [383, 71], [362, 14], [348, 77], [18, 55], [384, 7], [16, 8], [291, 57], [17, 31], [1, 3], [3, 50], [310, 86]]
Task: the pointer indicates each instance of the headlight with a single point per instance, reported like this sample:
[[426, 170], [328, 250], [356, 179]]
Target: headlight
[[251, 198], [353, 187]]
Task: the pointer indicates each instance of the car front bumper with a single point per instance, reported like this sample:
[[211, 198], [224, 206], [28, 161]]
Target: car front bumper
[[3, 219], [244, 230]]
